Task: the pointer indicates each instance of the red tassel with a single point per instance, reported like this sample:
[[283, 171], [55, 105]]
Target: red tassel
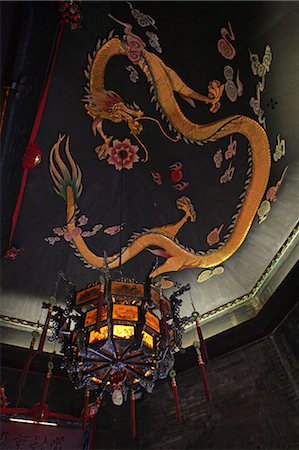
[[163, 314], [99, 310], [44, 94], [46, 387], [133, 415], [203, 347], [27, 363], [85, 409], [41, 410], [18, 206], [36, 124], [176, 399], [204, 378], [45, 329]]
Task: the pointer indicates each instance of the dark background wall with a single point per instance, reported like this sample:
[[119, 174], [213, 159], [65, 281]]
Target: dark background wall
[[255, 402]]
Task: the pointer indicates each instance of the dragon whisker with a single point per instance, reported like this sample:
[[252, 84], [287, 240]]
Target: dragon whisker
[[160, 126], [143, 146]]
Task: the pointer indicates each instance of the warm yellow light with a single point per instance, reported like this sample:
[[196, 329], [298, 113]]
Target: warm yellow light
[[152, 321], [91, 316], [89, 295], [125, 312], [123, 331], [96, 380], [148, 373], [98, 335], [148, 339]]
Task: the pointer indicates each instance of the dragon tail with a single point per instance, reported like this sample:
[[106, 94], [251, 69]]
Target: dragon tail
[[60, 174]]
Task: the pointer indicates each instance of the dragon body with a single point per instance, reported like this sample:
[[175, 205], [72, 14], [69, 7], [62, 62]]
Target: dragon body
[[164, 83]]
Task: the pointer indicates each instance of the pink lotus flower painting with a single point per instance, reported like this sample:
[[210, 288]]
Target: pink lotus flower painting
[[123, 154]]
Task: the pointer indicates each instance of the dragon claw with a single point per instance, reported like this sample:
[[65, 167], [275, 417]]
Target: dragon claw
[[103, 150], [185, 204]]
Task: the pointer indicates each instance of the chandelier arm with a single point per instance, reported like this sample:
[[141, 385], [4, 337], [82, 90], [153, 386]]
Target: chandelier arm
[[104, 381], [94, 360], [135, 372], [114, 349], [103, 355], [94, 369], [125, 352], [144, 364], [137, 355]]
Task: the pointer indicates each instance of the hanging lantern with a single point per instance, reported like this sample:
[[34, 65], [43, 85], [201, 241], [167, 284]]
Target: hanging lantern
[[115, 337], [119, 336]]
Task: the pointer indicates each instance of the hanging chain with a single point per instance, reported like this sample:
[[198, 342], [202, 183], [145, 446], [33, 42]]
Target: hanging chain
[[120, 213]]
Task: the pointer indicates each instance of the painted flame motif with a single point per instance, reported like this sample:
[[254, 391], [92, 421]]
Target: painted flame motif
[[157, 178], [213, 236], [272, 191]]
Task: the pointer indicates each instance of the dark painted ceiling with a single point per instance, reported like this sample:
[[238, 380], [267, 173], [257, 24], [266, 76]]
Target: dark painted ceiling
[[188, 33]]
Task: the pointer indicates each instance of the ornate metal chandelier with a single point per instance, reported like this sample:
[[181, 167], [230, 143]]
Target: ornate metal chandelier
[[117, 336]]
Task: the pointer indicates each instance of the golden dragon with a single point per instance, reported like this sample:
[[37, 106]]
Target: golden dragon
[[164, 82]]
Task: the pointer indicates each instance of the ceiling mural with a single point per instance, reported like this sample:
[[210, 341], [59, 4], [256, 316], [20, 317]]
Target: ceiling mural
[[102, 104], [169, 150]]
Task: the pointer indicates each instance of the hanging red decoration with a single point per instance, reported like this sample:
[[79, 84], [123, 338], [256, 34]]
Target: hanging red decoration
[[32, 154], [133, 415], [45, 328], [12, 253], [40, 410], [94, 407], [172, 375], [204, 378], [203, 347], [70, 13], [25, 370], [203, 372]]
